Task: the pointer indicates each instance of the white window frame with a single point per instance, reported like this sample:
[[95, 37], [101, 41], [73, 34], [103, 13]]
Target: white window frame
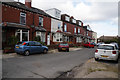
[[57, 36], [42, 35], [75, 30], [79, 40], [73, 20], [78, 31], [22, 15], [65, 27], [67, 18], [41, 19], [59, 25], [80, 23], [21, 34]]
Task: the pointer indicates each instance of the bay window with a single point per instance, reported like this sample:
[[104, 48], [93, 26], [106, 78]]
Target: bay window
[[41, 35], [22, 35]]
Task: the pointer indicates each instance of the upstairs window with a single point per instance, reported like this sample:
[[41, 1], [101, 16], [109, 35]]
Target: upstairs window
[[80, 23], [87, 33], [73, 20], [22, 18], [41, 21], [58, 25], [75, 30], [65, 28], [78, 30], [67, 18]]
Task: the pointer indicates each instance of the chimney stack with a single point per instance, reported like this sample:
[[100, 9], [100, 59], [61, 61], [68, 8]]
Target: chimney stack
[[28, 3]]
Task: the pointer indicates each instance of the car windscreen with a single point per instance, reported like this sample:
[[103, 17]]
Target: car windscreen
[[64, 44], [106, 47]]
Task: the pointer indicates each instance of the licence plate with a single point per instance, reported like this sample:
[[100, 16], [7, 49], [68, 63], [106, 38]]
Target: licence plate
[[63, 48], [17, 47], [103, 56]]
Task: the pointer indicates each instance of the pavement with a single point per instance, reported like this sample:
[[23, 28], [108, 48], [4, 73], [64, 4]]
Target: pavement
[[94, 69], [98, 69], [10, 55], [44, 65]]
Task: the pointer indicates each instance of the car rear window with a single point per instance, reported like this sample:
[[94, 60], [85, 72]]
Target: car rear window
[[64, 44], [106, 47]]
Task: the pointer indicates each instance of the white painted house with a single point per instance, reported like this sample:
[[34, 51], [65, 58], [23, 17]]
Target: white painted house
[[56, 24], [54, 13], [56, 29]]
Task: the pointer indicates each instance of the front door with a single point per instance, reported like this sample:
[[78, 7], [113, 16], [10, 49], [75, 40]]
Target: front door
[[48, 39]]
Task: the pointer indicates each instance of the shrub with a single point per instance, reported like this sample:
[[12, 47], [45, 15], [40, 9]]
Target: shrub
[[12, 40]]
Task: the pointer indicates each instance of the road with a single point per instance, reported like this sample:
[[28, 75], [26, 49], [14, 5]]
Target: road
[[44, 65]]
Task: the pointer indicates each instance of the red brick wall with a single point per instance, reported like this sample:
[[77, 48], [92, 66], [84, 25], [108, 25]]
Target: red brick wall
[[10, 14], [90, 34], [70, 27], [47, 23], [29, 18]]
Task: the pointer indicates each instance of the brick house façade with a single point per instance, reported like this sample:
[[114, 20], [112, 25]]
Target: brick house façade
[[25, 22]]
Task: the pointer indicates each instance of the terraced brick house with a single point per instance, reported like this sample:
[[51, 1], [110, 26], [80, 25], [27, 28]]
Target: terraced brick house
[[25, 22], [88, 31], [68, 29]]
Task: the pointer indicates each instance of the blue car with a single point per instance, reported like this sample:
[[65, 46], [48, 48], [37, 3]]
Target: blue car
[[29, 47]]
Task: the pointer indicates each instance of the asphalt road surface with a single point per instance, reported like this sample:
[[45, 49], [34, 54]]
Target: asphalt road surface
[[44, 65]]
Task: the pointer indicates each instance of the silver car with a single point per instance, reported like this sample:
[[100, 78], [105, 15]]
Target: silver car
[[107, 52]]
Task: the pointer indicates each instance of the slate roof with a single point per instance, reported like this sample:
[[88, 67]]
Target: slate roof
[[40, 29], [24, 7]]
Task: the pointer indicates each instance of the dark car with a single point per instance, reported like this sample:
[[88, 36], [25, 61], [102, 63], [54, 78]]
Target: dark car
[[94, 43], [29, 47], [63, 47], [89, 45]]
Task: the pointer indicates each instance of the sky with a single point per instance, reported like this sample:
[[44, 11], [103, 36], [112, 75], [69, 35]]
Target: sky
[[101, 15]]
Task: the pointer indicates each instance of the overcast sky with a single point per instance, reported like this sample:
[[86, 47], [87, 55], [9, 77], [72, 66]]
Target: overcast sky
[[101, 15]]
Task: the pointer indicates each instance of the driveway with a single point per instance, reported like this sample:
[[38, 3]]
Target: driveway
[[45, 65]]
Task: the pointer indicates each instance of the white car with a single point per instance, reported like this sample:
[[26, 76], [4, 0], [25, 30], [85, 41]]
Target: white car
[[107, 52]]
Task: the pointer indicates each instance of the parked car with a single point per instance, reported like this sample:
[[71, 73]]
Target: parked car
[[29, 47], [89, 45], [107, 52], [94, 43], [100, 43], [63, 47], [116, 44]]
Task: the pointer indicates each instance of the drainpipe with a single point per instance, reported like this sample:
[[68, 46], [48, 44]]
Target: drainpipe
[[33, 28]]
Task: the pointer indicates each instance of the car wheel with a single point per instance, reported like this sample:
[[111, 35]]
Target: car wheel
[[117, 60], [45, 51], [27, 53], [96, 59], [17, 53], [67, 50], [59, 50]]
